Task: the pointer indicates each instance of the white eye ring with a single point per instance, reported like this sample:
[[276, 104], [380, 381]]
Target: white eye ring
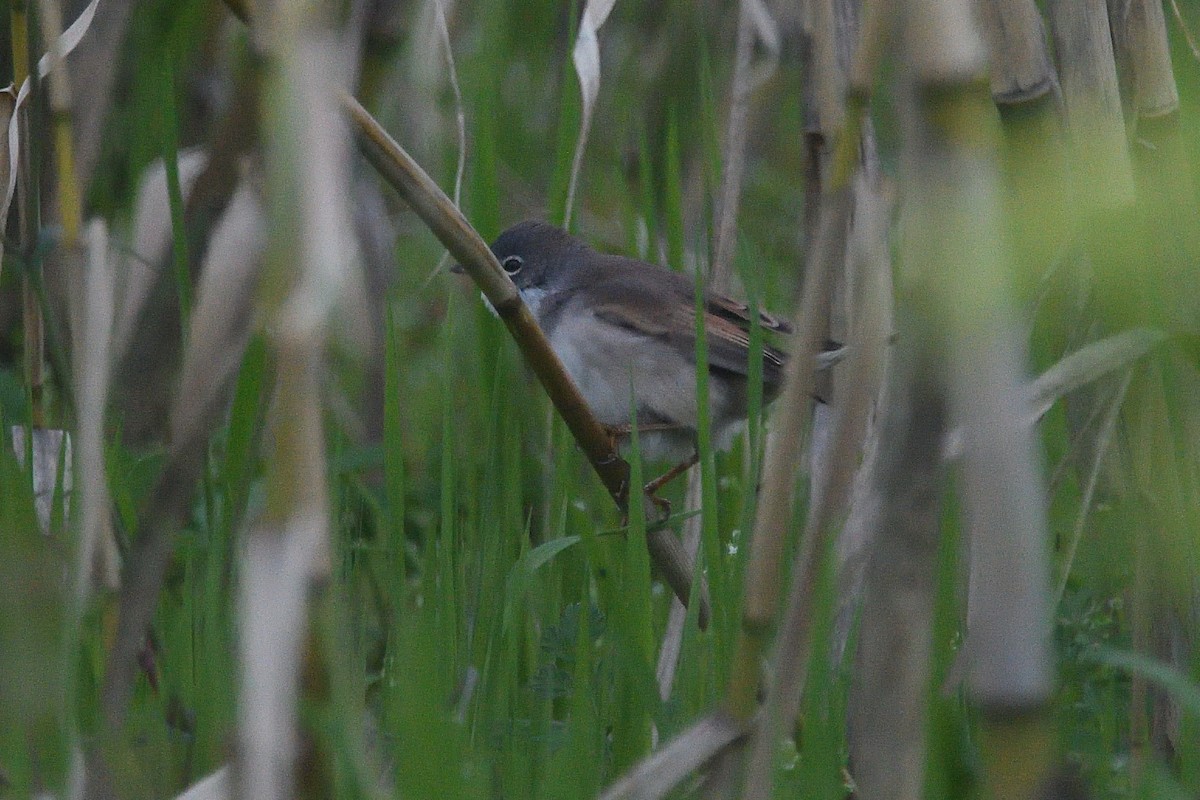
[[512, 264]]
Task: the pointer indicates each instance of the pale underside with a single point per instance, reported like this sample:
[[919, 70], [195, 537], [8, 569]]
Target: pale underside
[[619, 371]]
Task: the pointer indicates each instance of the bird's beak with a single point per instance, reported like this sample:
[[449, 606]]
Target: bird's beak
[[457, 268]]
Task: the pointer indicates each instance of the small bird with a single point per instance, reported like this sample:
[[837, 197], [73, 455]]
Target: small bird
[[625, 330]]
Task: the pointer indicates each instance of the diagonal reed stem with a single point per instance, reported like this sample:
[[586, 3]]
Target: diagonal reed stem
[[465, 244]]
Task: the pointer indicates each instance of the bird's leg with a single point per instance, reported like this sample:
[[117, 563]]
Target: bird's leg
[[617, 432], [671, 474], [674, 472]]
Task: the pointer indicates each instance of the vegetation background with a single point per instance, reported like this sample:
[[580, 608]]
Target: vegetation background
[[372, 560]]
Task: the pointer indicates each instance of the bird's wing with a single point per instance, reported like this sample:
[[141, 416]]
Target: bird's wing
[[739, 313], [674, 322]]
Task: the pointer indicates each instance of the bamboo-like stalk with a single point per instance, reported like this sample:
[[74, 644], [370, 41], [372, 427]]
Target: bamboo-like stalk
[[764, 564], [872, 298], [1020, 63], [956, 241], [950, 305], [831, 488], [1162, 160], [831, 30], [784, 449], [457, 235], [1103, 176], [1026, 91], [311, 261], [1140, 31], [901, 511]]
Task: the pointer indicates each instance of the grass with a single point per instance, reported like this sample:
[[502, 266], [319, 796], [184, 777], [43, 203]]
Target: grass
[[487, 632]]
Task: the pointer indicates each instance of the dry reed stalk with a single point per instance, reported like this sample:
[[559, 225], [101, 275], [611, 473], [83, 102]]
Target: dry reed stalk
[[717, 735], [1020, 63], [457, 235], [1140, 37], [793, 412], [956, 240], [887, 710], [754, 24], [1103, 176], [98, 562], [831, 487], [899, 508], [1167, 292], [1026, 91], [428, 70], [827, 256], [27, 221], [951, 278], [312, 260], [764, 565], [70, 198], [663, 770], [460, 117], [830, 29], [871, 291], [1140, 33], [671, 644]]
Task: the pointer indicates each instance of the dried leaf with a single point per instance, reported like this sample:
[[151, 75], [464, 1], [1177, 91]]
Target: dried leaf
[[51, 447], [1089, 363], [214, 786], [68, 41], [587, 66], [221, 319], [138, 274], [662, 771]]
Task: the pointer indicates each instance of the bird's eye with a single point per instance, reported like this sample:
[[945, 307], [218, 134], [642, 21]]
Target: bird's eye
[[512, 264]]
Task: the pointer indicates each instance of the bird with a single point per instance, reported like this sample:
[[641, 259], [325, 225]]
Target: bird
[[625, 331]]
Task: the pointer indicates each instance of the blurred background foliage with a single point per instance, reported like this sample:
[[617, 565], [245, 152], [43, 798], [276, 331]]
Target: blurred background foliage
[[463, 657]]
